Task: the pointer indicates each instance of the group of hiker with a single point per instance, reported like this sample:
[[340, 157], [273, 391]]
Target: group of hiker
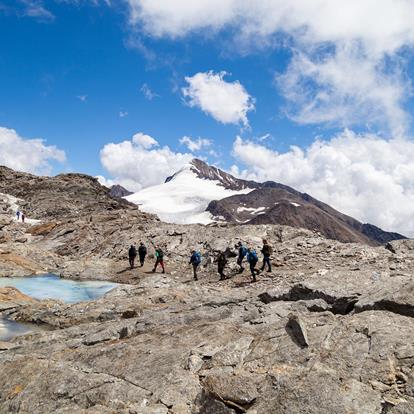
[[251, 257], [20, 215], [142, 253], [243, 253]]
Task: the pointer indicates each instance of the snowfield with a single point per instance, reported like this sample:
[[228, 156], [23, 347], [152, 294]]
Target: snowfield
[[12, 205], [183, 199]]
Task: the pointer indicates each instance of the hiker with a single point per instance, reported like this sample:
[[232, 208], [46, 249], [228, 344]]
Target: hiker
[[267, 251], [142, 252], [221, 263], [23, 217], [195, 260], [132, 254], [159, 256], [17, 215], [252, 260], [242, 253]]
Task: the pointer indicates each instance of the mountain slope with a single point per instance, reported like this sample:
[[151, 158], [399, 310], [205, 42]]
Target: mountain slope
[[273, 204], [62, 195]]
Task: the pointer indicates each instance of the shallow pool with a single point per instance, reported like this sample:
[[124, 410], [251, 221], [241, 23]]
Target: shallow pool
[[53, 287], [49, 287], [9, 329]]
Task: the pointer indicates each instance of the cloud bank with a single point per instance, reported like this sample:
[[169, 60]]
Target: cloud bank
[[140, 162], [363, 176], [29, 155]]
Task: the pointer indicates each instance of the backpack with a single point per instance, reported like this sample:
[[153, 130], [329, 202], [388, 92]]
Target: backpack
[[267, 250], [222, 260], [132, 252], [197, 258], [252, 258], [160, 254], [243, 251]]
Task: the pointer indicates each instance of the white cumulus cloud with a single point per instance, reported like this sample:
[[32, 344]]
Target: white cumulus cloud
[[140, 162], [359, 39], [29, 155], [384, 25], [226, 102], [364, 176], [195, 144], [345, 88]]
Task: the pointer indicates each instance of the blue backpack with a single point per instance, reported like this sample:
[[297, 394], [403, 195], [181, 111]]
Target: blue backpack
[[243, 251], [197, 258], [252, 257]]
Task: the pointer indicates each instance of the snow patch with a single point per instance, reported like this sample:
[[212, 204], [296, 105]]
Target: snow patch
[[12, 206], [295, 204], [251, 209]]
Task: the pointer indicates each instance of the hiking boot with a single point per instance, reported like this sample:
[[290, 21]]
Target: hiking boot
[[153, 270]]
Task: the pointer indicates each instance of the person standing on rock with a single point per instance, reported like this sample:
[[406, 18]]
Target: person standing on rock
[[195, 260], [221, 264], [252, 259], [142, 252], [242, 254], [17, 215], [159, 259], [23, 217], [132, 254], [266, 251]]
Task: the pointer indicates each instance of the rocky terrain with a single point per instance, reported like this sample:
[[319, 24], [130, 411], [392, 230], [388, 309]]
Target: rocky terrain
[[327, 331]]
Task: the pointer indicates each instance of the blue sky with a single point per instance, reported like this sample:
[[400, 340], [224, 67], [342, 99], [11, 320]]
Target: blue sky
[[85, 50], [79, 79]]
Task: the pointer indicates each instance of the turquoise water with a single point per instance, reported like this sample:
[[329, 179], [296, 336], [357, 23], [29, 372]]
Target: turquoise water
[[10, 329], [49, 287], [53, 287]]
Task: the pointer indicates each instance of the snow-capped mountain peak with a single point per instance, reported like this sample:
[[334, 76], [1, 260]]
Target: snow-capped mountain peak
[[184, 197]]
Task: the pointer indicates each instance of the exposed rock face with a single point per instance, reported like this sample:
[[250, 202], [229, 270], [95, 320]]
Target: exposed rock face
[[117, 191], [328, 331], [61, 196], [273, 205]]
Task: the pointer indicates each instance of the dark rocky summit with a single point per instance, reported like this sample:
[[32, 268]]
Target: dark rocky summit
[[117, 191], [328, 331]]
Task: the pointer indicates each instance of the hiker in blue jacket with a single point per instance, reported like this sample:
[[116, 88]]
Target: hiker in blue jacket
[[242, 254], [252, 260], [195, 260]]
